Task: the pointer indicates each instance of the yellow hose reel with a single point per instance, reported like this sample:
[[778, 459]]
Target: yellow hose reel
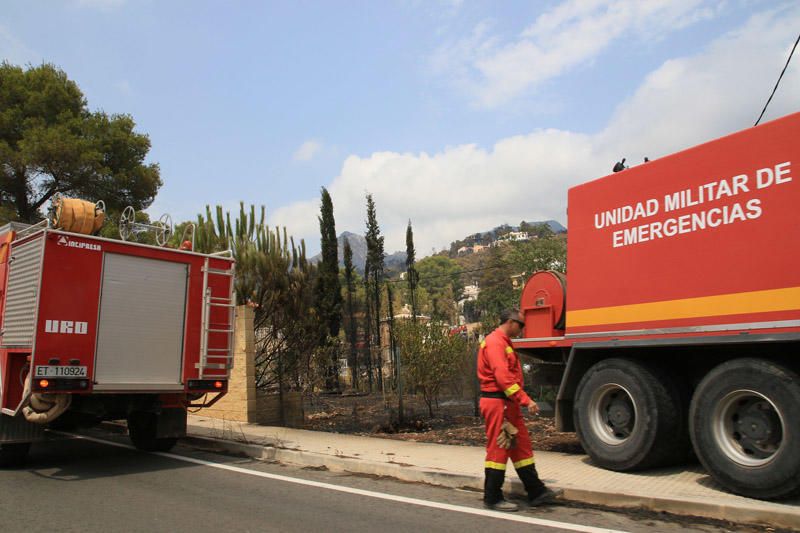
[[77, 216]]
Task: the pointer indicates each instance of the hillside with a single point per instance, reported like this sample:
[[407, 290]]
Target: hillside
[[540, 228], [358, 244], [395, 262]]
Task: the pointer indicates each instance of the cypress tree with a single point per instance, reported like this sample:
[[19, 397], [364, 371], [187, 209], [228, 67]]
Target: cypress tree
[[412, 277], [351, 322], [398, 378], [368, 323], [328, 288], [375, 258]]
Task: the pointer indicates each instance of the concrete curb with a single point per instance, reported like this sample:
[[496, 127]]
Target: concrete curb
[[339, 463], [740, 513]]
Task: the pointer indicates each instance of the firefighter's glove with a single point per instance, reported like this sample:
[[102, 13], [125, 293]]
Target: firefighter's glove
[[507, 438]]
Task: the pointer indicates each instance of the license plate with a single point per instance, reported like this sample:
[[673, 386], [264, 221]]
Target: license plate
[[60, 371]]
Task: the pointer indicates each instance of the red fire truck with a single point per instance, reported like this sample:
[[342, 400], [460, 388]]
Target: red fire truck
[[99, 329], [680, 330]]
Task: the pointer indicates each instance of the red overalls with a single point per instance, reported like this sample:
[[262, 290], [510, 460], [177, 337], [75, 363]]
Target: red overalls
[[500, 372]]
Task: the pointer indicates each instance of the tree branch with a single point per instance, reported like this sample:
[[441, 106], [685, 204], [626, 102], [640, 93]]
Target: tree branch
[[47, 195]]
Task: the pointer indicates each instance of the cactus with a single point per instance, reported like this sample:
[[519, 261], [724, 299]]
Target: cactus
[[265, 257]]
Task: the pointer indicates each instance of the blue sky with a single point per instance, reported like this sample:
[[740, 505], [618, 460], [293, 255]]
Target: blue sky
[[458, 115]]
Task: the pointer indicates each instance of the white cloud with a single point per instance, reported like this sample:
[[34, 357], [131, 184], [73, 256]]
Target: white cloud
[[307, 151], [464, 189], [494, 72]]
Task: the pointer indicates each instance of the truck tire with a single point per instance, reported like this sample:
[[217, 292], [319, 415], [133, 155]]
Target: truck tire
[[142, 428], [13, 454], [631, 416], [744, 423]]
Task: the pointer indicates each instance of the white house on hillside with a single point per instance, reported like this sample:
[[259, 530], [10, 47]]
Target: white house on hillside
[[515, 236]]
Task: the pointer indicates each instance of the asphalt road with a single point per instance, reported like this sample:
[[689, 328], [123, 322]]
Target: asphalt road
[[103, 485]]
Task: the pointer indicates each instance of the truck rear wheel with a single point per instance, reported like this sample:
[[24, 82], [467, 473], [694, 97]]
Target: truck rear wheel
[[628, 416], [745, 426], [142, 428], [13, 454]]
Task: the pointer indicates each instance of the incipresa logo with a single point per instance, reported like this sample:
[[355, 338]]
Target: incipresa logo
[[65, 241]]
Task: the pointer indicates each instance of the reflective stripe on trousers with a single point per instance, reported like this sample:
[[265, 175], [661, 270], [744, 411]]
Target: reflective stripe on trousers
[[494, 410]]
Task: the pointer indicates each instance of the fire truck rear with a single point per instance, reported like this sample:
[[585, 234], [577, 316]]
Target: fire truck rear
[[681, 326], [98, 329]]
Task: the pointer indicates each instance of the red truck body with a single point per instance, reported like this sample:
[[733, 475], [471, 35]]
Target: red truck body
[[695, 243], [121, 327], [683, 269]]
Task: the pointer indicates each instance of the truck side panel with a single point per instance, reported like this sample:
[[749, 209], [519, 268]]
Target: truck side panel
[[705, 236]]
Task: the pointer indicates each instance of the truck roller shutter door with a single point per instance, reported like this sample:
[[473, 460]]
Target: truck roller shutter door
[[140, 330]]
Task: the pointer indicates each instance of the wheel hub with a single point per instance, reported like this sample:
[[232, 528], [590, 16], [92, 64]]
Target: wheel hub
[[755, 423], [748, 427], [619, 413], [612, 414]]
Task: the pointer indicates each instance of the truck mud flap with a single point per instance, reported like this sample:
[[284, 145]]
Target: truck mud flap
[[17, 429], [169, 423]]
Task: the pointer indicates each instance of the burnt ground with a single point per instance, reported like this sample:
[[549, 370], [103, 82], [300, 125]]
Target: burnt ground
[[454, 422]]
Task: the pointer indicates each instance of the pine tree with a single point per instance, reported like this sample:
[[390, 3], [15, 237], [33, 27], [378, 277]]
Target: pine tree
[[51, 143], [351, 322], [328, 291], [375, 258]]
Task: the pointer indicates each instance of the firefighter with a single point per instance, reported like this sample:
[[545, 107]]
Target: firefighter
[[502, 400]]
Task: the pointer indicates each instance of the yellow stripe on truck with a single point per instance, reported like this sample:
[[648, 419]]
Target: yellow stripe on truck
[[725, 304]]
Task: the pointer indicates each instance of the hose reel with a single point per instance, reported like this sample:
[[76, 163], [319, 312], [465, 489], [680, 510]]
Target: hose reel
[[129, 228], [76, 215]]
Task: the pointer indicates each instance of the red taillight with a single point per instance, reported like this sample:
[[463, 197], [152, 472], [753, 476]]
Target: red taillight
[[43, 383], [207, 384]]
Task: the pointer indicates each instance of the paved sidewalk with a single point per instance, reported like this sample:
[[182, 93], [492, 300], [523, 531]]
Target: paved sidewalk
[[685, 491]]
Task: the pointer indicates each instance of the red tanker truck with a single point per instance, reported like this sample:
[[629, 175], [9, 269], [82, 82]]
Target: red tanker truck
[[680, 330], [98, 329]]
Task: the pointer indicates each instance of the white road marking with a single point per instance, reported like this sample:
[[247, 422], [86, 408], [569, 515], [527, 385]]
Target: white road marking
[[512, 517]]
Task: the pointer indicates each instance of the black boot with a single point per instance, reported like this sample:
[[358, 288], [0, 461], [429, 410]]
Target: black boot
[[530, 479], [493, 491], [538, 493]]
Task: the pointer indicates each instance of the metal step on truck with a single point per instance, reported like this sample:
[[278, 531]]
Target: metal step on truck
[[680, 329], [98, 329]]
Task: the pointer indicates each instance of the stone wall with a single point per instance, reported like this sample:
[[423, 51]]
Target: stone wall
[[268, 409], [239, 403]]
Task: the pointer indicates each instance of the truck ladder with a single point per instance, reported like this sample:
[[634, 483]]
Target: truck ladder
[[217, 358]]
